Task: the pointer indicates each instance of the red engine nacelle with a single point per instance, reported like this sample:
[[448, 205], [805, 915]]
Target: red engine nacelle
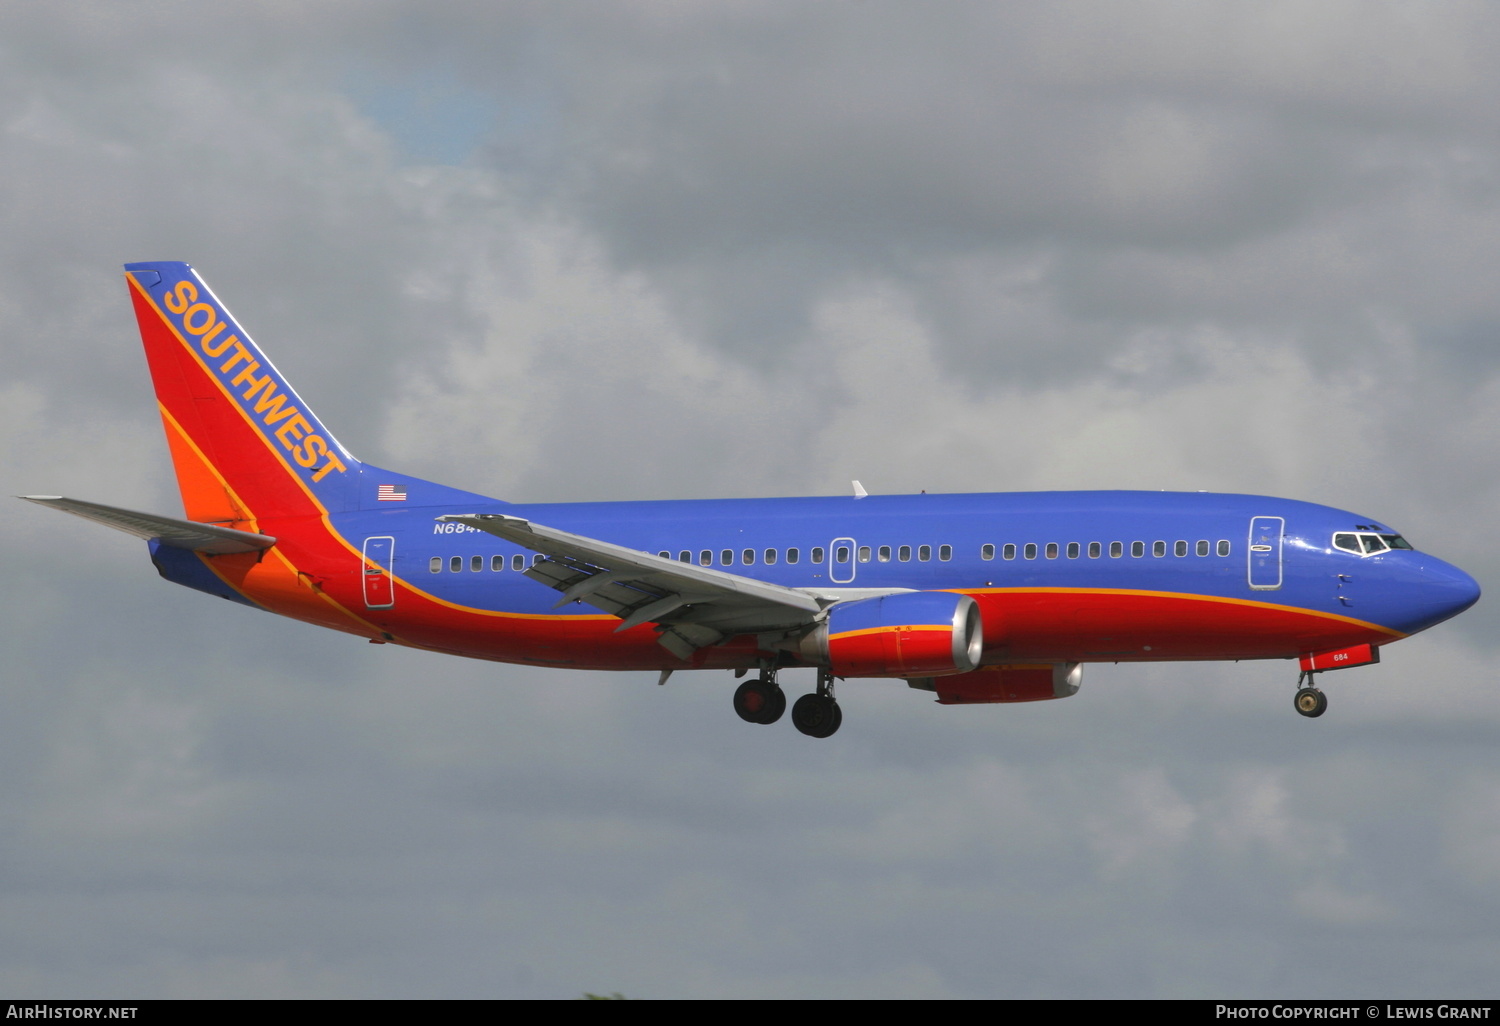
[[925, 633]]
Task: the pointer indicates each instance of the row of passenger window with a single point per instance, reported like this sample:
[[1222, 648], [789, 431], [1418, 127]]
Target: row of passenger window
[[841, 554], [727, 557], [476, 563], [1096, 549], [882, 554]]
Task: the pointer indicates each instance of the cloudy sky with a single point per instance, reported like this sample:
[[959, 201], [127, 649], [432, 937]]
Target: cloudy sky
[[637, 250]]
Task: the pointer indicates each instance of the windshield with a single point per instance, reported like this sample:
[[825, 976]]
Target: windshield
[[1364, 543]]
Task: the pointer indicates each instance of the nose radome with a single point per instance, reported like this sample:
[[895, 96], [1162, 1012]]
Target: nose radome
[[1449, 590]]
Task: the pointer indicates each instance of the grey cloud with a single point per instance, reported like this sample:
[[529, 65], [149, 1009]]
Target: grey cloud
[[755, 249]]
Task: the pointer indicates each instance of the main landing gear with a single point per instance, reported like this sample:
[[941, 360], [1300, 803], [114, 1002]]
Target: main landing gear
[[818, 714], [1310, 702], [762, 701]]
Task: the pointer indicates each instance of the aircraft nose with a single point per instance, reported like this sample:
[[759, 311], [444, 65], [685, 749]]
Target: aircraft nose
[[1447, 590]]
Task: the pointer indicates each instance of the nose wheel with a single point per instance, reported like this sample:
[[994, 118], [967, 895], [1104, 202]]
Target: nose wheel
[[1310, 702]]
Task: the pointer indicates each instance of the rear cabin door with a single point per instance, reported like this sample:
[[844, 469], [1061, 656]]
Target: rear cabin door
[[1265, 553], [379, 554]]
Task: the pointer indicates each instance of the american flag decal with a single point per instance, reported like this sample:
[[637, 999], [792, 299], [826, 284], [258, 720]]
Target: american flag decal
[[391, 493]]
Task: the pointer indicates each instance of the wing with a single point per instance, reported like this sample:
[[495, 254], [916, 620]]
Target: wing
[[178, 534], [693, 606]]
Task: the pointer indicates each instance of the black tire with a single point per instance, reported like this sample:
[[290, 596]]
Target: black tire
[[1311, 702], [756, 701], [816, 715], [776, 708]]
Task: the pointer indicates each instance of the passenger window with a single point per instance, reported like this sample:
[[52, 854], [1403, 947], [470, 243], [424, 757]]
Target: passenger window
[[1116, 550], [684, 556], [456, 564], [1072, 550], [1223, 546], [841, 554], [793, 555], [884, 555], [498, 562], [1029, 551], [864, 553], [904, 553], [987, 552], [726, 557], [770, 557], [1203, 547], [1180, 548], [537, 559], [1095, 550], [748, 557], [1009, 552], [435, 564], [817, 554], [1159, 549], [1052, 550], [924, 553], [476, 563], [518, 562], [706, 558], [945, 552], [1137, 549]]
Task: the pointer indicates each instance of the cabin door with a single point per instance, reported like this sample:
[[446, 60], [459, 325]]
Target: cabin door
[[380, 554], [1265, 553], [841, 560]]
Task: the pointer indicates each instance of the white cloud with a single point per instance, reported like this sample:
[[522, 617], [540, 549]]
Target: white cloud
[[750, 252]]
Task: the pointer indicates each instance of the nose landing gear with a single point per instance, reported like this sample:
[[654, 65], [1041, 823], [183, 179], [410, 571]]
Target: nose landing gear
[[1310, 702]]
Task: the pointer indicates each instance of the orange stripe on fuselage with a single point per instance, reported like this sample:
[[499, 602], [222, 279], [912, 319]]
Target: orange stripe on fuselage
[[946, 628]]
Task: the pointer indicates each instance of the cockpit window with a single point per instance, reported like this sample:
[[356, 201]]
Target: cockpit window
[[1363, 544]]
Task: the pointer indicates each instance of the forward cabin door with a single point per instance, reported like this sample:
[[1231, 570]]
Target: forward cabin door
[[380, 554], [1265, 553]]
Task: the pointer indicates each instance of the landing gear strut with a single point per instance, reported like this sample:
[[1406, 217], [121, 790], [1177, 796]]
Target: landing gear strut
[[760, 700], [1310, 701], [818, 714]]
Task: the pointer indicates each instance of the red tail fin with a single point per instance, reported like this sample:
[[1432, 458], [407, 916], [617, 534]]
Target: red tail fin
[[244, 445]]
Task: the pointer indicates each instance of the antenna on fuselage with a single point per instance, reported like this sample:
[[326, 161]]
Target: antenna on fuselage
[[859, 490]]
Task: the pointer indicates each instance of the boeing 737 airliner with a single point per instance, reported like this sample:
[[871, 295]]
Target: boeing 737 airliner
[[975, 598]]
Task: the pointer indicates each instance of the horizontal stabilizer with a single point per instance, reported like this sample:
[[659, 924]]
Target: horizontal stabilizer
[[177, 534]]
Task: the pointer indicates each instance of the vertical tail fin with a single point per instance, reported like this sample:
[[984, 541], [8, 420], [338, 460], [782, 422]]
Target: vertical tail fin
[[244, 444]]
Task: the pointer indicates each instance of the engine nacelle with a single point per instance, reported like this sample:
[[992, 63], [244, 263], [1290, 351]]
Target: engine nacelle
[[916, 633], [1034, 682]]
